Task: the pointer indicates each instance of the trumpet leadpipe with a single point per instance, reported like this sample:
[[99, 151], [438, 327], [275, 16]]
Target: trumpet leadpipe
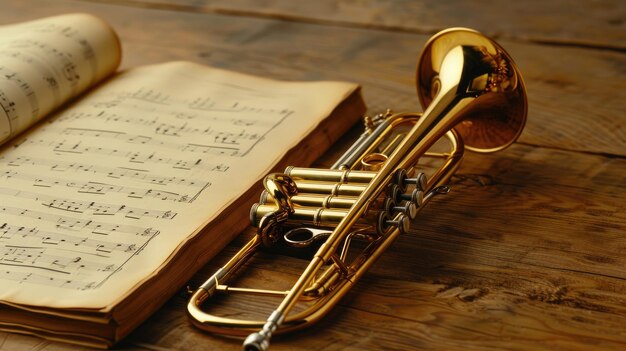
[[370, 141]]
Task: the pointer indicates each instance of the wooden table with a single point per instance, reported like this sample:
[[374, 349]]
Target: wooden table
[[529, 249]]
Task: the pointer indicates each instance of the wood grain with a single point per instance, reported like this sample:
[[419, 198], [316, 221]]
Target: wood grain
[[598, 24], [528, 250]]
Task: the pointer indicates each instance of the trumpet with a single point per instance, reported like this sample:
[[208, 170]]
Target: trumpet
[[474, 97]]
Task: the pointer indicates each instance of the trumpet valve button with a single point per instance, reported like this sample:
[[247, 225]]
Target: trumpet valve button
[[394, 192], [381, 223], [400, 178]]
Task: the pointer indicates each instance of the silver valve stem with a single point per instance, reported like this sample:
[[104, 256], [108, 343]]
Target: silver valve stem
[[401, 221], [410, 209], [420, 181], [416, 197]]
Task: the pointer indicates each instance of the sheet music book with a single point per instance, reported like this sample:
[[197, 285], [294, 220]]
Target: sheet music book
[[116, 187]]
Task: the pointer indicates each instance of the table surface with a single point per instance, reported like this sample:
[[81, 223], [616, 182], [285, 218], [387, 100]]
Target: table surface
[[528, 251]]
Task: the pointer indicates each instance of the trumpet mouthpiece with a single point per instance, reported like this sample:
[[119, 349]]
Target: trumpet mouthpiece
[[256, 342]]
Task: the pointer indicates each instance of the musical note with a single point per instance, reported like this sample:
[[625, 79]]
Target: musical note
[[212, 149], [46, 280], [148, 95], [98, 188], [142, 175], [53, 252], [90, 207], [69, 68], [164, 130], [76, 224], [9, 232], [38, 257], [80, 147], [15, 81], [74, 35]]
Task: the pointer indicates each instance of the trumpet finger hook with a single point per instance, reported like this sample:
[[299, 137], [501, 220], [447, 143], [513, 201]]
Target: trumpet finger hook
[[304, 237]]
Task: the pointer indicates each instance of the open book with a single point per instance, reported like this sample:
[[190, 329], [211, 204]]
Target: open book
[[116, 187]]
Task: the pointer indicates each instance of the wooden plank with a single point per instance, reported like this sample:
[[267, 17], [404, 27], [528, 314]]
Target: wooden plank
[[576, 96], [598, 24], [528, 250]]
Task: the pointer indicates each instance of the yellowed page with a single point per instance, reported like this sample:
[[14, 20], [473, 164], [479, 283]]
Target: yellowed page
[[46, 62], [95, 201]]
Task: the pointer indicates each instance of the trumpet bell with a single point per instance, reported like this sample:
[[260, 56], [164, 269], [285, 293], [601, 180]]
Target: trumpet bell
[[498, 115]]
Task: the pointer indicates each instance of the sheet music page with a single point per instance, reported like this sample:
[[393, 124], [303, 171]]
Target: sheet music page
[[46, 62], [95, 200]]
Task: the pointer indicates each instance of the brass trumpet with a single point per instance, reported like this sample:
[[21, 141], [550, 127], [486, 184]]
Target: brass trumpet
[[474, 97]]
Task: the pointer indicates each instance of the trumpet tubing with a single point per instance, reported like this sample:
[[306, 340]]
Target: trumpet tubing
[[370, 195], [314, 200], [330, 175], [308, 215]]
